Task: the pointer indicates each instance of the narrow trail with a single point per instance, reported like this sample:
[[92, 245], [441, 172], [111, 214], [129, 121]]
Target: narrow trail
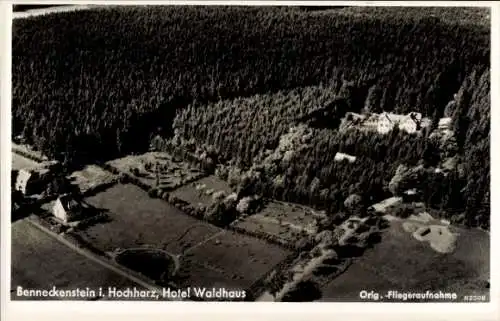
[[45, 11], [97, 259]]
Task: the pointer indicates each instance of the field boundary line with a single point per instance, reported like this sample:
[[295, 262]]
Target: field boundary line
[[264, 237], [268, 238], [221, 232], [99, 260]]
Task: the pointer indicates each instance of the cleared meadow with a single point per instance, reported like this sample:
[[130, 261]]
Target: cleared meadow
[[400, 262], [41, 262], [20, 162], [212, 256], [199, 193]]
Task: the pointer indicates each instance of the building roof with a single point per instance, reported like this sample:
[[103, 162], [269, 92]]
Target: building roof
[[341, 156], [446, 121], [68, 202], [412, 191], [382, 206], [388, 118]]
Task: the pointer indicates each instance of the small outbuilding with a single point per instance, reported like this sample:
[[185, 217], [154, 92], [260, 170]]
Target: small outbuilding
[[67, 209], [410, 195], [341, 156]]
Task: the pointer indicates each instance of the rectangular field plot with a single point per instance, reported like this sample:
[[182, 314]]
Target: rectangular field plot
[[150, 167], [213, 256], [240, 258], [283, 221], [91, 177], [138, 220], [41, 262], [200, 192], [20, 162], [384, 268]]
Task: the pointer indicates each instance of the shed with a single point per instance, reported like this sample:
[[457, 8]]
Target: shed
[[67, 209], [410, 195]]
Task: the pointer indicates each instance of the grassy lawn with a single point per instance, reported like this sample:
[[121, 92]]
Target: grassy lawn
[[200, 196], [20, 162], [138, 220], [402, 263], [286, 221], [40, 262], [28, 150], [241, 257], [215, 257], [194, 273], [90, 177]]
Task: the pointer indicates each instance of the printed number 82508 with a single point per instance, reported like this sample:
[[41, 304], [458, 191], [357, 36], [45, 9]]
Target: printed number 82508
[[474, 298]]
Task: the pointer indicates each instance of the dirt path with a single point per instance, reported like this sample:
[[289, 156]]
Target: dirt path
[[97, 259], [44, 11]]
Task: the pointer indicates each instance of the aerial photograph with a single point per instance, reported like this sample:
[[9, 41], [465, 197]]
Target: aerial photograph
[[250, 153]]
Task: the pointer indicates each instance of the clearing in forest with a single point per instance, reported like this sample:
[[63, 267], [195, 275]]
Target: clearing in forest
[[157, 169]]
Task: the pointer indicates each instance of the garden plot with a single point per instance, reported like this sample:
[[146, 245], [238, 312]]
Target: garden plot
[[157, 169], [200, 193], [91, 177], [286, 222]]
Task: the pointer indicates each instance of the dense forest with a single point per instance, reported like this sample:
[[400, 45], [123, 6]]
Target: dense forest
[[263, 153], [96, 84], [96, 89]]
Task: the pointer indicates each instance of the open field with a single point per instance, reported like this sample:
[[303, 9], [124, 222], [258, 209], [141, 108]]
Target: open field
[[287, 222], [274, 102], [139, 221], [402, 263], [91, 177], [28, 151], [241, 257], [40, 262], [200, 192], [20, 162], [149, 167]]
